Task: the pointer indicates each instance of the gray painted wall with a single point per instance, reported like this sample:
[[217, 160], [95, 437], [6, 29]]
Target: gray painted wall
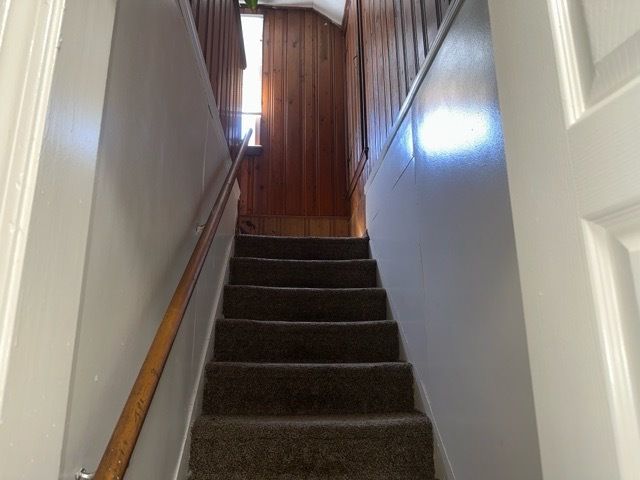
[[162, 160], [42, 344], [439, 217]]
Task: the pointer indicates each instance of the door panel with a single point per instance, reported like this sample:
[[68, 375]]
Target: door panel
[[598, 49], [569, 81], [604, 144]]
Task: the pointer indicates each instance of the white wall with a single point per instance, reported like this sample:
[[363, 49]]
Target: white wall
[[332, 9], [161, 153], [29, 33], [440, 223], [41, 344], [123, 180]]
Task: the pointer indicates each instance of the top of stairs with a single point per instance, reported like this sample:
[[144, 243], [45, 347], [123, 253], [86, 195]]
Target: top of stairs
[[302, 248]]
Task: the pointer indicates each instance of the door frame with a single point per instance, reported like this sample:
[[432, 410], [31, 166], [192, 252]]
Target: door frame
[[54, 58], [29, 35]]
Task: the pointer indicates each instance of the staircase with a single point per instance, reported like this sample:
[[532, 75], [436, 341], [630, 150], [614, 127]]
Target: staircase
[[306, 382]]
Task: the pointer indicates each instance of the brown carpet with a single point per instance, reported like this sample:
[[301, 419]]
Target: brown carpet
[[306, 382]]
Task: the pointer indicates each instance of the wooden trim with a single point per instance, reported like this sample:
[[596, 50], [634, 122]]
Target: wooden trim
[[360, 101], [363, 85], [364, 157], [345, 14], [254, 151], [117, 455], [295, 225]]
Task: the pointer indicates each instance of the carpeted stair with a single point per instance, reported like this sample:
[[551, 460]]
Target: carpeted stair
[[306, 381], [303, 273], [304, 304], [305, 342]]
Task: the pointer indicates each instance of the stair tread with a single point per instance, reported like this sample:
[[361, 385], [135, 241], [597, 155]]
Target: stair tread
[[293, 367], [303, 273], [320, 426], [313, 261], [302, 238], [301, 247], [320, 291], [399, 472], [306, 373], [304, 326], [320, 447]]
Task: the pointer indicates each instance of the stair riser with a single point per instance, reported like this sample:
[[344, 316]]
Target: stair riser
[[301, 248], [301, 391], [298, 343], [273, 273], [257, 303], [398, 458]]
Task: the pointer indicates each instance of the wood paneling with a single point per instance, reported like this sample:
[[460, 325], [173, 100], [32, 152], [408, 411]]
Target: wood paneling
[[220, 33], [386, 43], [302, 171], [356, 114], [294, 226]]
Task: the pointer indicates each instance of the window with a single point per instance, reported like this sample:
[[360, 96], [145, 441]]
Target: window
[[252, 26]]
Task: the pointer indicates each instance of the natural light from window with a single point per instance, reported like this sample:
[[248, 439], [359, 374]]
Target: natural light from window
[[252, 26]]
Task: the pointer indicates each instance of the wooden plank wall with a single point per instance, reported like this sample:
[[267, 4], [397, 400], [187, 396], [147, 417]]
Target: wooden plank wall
[[220, 33], [290, 225], [396, 35], [302, 170], [356, 114]]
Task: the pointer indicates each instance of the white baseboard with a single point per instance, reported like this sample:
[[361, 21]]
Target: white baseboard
[[182, 467], [444, 469]]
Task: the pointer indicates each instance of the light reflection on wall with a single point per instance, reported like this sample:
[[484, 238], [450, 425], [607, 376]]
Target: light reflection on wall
[[454, 130]]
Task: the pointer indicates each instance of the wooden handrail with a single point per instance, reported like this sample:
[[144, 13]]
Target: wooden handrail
[[117, 455]]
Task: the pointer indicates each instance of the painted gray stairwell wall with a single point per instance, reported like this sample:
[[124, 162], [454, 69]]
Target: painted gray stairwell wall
[[161, 162], [439, 218]]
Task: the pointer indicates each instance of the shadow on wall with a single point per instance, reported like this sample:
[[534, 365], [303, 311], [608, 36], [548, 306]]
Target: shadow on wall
[[439, 217]]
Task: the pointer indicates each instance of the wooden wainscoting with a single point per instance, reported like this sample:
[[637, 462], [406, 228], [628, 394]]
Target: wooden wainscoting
[[220, 33], [387, 41], [294, 226]]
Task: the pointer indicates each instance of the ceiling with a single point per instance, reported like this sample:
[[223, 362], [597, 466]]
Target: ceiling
[[333, 9]]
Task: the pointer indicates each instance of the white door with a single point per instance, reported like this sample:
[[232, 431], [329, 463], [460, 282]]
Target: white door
[[569, 84]]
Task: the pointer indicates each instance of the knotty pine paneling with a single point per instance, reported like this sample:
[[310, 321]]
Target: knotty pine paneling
[[302, 171], [386, 43], [220, 34]]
